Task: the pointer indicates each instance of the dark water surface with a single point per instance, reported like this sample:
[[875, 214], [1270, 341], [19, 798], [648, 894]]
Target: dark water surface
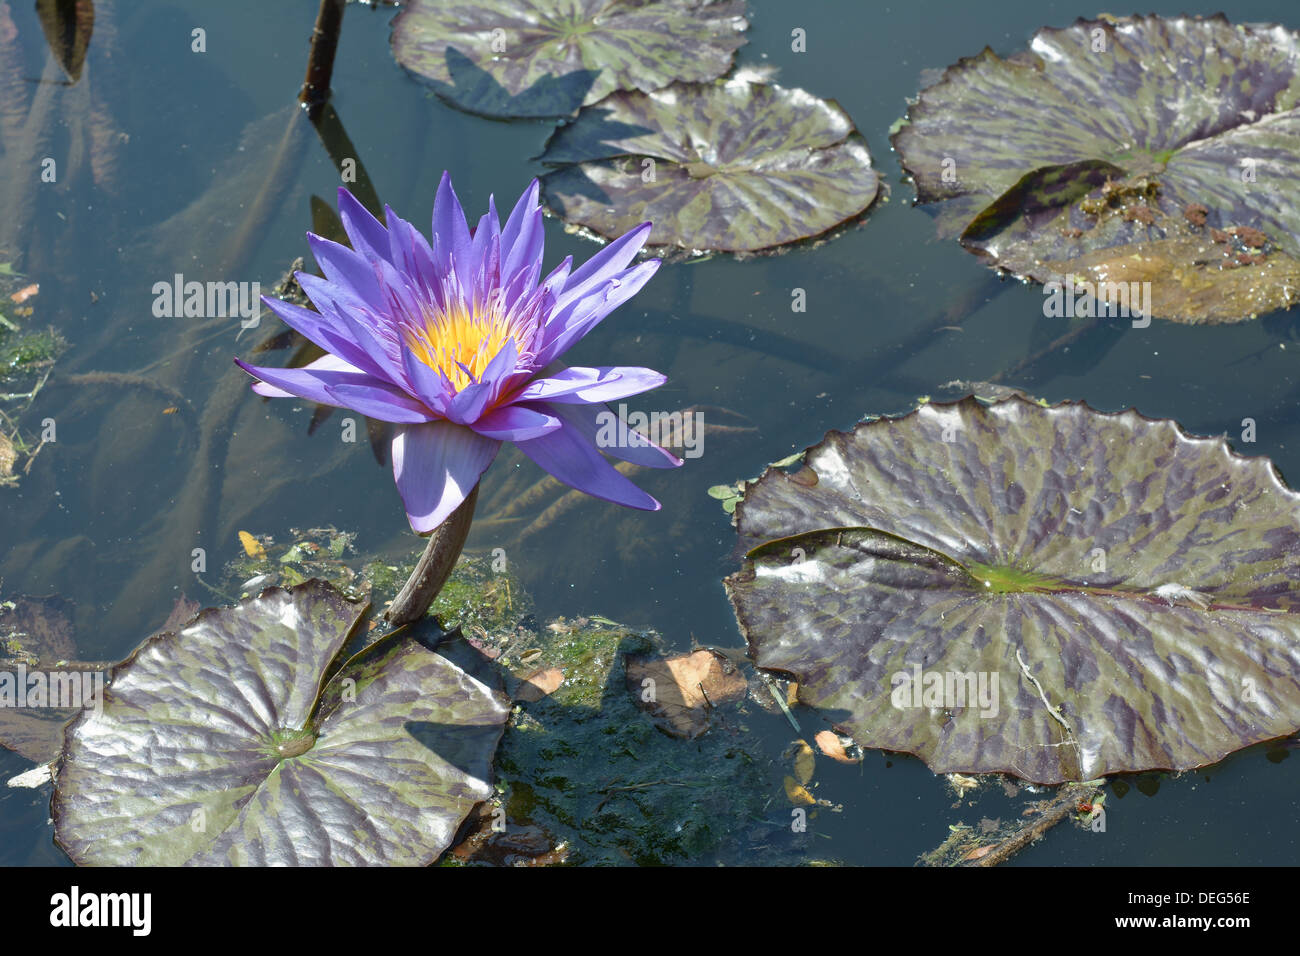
[[110, 514]]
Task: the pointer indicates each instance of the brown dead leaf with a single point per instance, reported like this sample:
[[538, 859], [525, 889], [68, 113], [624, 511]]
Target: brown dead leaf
[[829, 743], [680, 691], [804, 761], [538, 684], [25, 293], [979, 851], [797, 793]]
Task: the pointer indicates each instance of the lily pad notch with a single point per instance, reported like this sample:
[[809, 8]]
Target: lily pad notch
[[1129, 593], [731, 166], [244, 739]]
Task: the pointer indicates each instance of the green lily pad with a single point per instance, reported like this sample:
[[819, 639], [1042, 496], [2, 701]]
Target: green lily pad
[[534, 58], [237, 741], [1124, 150], [730, 166], [1096, 593]]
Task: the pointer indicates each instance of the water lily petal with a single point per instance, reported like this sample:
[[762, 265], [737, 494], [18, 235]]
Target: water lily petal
[[584, 386], [382, 402], [604, 265], [366, 233], [523, 283], [324, 330], [427, 385], [358, 324], [489, 228], [436, 466], [358, 391], [488, 276], [347, 269], [555, 281], [571, 323], [331, 363], [591, 420], [410, 255], [503, 370], [450, 230], [567, 455], [516, 423], [324, 293], [469, 404], [522, 236]]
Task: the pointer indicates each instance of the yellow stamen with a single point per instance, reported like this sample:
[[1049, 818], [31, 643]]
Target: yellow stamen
[[448, 340]]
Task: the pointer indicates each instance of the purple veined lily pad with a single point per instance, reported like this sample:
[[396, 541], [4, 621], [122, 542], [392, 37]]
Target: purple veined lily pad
[[1124, 150], [534, 58], [731, 166], [235, 741], [1051, 592]]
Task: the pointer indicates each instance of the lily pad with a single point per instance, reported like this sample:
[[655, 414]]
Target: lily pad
[[1055, 593], [730, 166], [508, 58], [1125, 150], [239, 740]]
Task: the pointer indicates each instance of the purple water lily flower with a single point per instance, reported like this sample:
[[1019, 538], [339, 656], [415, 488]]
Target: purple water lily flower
[[450, 341]]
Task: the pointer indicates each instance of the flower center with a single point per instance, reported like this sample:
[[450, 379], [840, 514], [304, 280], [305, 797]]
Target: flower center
[[461, 343]]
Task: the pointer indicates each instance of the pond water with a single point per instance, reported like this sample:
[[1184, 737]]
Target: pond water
[[109, 514]]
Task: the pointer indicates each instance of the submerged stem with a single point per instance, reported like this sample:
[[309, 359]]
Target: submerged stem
[[434, 566], [320, 62]]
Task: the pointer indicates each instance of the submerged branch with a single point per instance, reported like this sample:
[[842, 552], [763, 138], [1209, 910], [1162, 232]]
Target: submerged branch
[[1054, 811], [1060, 342]]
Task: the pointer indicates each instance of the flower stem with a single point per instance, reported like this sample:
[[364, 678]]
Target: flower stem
[[434, 566], [320, 61]]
